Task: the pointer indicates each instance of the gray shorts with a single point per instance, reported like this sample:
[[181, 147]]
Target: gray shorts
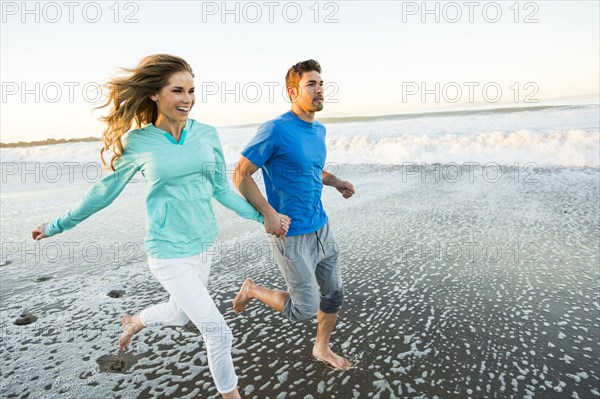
[[310, 267]]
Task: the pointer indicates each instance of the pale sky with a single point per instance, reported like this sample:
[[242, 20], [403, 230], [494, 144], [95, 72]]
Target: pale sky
[[377, 57]]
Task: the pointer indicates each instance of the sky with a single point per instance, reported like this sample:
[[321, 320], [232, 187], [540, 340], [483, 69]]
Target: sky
[[377, 57]]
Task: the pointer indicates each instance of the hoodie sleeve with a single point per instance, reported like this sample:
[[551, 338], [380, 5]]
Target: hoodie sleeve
[[222, 190], [98, 197]]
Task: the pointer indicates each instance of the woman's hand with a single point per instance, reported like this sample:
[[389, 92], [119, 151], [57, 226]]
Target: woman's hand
[[38, 233], [277, 224]]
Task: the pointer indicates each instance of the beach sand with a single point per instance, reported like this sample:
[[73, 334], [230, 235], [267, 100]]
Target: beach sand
[[453, 289]]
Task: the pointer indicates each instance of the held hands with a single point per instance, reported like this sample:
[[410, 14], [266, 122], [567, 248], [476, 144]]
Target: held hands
[[345, 187], [277, 224], [38, 233]]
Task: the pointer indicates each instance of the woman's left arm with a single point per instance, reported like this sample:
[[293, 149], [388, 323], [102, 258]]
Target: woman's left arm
[[222, 190]]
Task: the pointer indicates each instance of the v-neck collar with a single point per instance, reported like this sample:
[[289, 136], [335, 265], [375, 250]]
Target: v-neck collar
[[168, 135], [181, 138]]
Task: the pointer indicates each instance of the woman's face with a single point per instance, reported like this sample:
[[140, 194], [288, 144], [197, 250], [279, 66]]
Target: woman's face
[[176, 99]]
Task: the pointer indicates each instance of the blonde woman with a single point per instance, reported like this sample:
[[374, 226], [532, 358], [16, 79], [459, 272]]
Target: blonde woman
[[183, 165]]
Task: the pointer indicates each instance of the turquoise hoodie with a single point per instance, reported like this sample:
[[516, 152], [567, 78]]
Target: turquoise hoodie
[[181, 179]]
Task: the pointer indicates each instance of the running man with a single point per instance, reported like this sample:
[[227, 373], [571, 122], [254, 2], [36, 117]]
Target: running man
[[291, 152]]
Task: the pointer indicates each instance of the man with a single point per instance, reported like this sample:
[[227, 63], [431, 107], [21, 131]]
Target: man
[[291, 152]]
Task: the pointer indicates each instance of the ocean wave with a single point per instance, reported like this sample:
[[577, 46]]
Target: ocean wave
[[575, 148], [67, 152], [572, 148]]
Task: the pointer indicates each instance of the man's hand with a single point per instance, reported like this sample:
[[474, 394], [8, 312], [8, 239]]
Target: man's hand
[[277, 224], [345, 187]]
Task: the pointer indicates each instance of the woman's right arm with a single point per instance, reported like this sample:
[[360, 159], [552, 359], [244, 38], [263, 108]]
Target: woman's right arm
[[99, 196]]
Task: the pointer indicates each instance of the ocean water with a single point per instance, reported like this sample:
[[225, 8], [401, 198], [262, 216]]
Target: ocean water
[[548, 136], [470, 258]]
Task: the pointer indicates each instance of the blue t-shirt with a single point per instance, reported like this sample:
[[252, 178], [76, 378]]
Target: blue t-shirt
[[291, 154]]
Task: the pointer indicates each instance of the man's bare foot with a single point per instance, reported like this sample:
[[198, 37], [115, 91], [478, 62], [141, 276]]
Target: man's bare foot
[[243, 296], [336, 361], [131, 325]]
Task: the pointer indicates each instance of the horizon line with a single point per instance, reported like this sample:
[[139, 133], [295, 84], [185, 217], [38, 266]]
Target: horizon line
[[329, 119]]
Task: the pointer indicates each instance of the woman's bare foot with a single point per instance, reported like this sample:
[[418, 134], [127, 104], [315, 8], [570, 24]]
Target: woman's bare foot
[[235, 394], [336, 361], [131, 325], [243, 296]]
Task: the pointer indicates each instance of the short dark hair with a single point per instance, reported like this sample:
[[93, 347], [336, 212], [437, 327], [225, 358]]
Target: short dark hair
[[294, 74]]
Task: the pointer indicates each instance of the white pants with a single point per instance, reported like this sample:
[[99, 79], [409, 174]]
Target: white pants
[[185, 279]]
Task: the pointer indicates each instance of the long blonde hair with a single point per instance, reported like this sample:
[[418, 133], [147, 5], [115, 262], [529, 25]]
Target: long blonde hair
[[129, 98]]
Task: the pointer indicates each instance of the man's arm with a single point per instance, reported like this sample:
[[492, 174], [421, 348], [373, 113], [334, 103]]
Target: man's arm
[[344, 187], [275, 223]]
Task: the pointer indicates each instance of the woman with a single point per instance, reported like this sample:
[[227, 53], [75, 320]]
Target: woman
[[182, 162]]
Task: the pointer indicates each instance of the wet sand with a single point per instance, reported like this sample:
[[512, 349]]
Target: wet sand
[[452, 290]]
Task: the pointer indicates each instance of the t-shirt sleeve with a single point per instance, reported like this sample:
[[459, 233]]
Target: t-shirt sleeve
[[262, 146]]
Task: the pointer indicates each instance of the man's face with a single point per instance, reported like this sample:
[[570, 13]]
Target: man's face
[[309, 95]]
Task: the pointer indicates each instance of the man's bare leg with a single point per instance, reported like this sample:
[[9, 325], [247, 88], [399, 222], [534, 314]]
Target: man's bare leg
[[131, 325], [321, 350], [275, 299]]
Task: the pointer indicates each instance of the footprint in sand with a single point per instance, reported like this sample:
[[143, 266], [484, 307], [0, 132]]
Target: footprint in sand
[[116, 363], [25, 319], [191, 327]]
